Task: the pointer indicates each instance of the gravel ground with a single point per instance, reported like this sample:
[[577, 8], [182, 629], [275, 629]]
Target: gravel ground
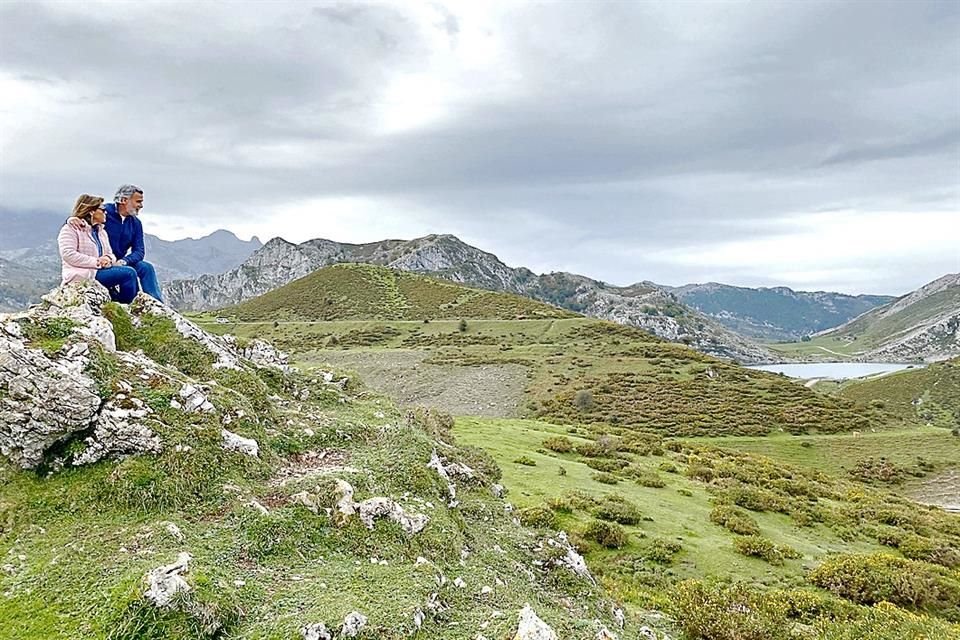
[[942, 490], [494, 391]]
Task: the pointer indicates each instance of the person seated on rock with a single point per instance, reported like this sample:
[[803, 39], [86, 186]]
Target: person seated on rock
[[86, 253], [126, 236]]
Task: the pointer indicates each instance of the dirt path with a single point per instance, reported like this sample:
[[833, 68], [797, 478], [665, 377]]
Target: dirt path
[[484, 390]]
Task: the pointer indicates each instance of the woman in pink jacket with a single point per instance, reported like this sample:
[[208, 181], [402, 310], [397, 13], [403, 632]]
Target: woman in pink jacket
[[86, 252]]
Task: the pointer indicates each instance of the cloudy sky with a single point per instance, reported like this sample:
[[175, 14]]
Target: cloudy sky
[[809, 144]]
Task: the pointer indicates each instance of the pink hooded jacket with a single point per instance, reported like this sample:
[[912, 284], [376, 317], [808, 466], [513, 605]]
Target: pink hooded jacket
[[79, 253]]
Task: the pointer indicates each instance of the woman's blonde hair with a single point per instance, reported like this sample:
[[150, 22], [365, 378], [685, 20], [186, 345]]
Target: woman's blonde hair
[[85, 206]]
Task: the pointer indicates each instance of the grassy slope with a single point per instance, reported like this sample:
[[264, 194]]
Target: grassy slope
[[930, 394], [819, 516], [75, 544], [870, 330], [637, 381], [564, 355], [362, 291]]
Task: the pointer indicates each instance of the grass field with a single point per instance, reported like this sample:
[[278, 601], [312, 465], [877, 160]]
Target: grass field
[[838, 453]]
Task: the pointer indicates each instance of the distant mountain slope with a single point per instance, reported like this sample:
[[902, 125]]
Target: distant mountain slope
[[368, 292], [930, 394], [643, 305], [30, 246], [922, 325], [778, 313]]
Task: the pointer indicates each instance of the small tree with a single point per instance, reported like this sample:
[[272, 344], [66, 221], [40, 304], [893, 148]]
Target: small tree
[[462, 326], [583, 400]]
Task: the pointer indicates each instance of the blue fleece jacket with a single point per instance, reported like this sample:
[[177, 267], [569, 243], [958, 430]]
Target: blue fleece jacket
[[126, 234]]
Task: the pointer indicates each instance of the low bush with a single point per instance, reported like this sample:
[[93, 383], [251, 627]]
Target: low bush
[[881, 577], [606, 534], [606, 465], [605, 478], [650, 479], [616, 508], [558, 444], [660, 550], [760, 547], [734, 520], [541, 517]]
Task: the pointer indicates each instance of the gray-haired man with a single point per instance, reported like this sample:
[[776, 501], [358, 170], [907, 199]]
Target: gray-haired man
[[126, 236]]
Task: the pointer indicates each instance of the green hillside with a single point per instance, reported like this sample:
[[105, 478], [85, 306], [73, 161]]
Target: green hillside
[[634, 381], [271, 542], [363, 291], [876, 327], [930, 394]]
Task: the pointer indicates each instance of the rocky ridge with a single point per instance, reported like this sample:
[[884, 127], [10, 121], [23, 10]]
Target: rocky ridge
[[75, 390], [643, 305], [923, 325], [775, 313]]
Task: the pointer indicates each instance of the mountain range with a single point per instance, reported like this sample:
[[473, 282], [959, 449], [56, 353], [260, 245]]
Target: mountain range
[[644, 304], [775, 314]]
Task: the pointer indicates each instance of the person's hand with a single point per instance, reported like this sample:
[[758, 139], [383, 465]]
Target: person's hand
[[77, 223], [120, 263], [104, 261]]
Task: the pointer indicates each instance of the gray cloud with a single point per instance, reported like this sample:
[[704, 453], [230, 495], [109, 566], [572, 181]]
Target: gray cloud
[[602, 132]]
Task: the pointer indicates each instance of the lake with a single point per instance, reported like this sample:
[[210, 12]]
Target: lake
[[833, 370]]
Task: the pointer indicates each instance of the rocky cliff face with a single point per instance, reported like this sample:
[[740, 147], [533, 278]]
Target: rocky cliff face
[[643, 305]]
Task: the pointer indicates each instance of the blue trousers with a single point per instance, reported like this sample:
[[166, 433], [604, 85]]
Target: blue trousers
[[120, 281], [148, 279]]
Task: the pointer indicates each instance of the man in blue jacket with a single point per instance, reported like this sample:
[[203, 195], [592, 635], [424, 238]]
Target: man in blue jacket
[[126, 236]]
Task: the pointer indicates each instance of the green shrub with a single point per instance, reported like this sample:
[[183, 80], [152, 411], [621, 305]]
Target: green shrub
[[583, 400], [885, 621], [606, 465], [869, 579], [660, 550], [606, 534], [760, 547], [605, 478], [616, 508], [558, 444], [541, 517], [526, 461], [878, 470], [650, 479], [734, 520], [736, 612], [668, 467]]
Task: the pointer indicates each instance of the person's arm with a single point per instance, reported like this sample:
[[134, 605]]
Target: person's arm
[[105, 242], [137, 250], [76, 223], [67, 243]]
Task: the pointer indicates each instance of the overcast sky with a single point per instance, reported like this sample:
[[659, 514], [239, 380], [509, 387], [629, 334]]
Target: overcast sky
[[809, 144]]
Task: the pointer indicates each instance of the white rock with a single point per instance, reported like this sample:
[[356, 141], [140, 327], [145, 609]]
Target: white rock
[[646, 633], [234, 442], [532, 627], [353, 624], [174, 531], [316, 631], [458, 582], [163, 583], [379, 507]]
